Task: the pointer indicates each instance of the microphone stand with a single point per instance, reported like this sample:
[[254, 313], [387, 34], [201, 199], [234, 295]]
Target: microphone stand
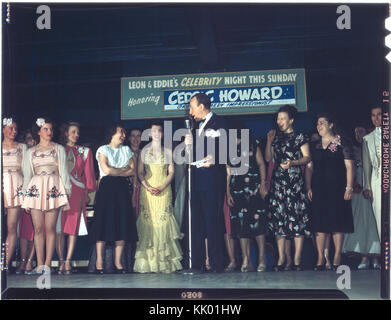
[[189, 271]]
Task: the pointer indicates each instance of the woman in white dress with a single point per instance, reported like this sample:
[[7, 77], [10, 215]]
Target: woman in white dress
[[365, 239]]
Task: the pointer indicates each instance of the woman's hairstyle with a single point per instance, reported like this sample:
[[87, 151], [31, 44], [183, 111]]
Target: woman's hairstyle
[[134, 129], [158, 123], [37, 126], [290, 110], [112, 131], [6, 121], [64, 131], [331, 120]]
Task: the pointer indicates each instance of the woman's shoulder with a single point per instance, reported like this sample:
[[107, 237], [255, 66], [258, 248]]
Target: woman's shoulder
[[105, 149]]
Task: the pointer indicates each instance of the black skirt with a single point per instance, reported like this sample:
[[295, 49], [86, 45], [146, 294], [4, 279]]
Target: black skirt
[[114, 219]]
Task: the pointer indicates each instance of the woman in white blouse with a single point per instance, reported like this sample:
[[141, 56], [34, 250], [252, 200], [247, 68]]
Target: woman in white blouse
[[114, 220], [47, 188]]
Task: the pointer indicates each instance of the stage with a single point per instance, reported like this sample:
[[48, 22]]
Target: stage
[[365, 284]]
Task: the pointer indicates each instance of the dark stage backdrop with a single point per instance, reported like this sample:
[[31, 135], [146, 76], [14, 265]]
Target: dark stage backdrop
[[73, 71]]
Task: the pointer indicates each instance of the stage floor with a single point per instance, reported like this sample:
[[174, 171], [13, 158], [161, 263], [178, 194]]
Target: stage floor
[[365, 284]]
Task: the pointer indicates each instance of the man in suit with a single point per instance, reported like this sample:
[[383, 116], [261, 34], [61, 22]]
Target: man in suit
[[371, 157], [208, 184]]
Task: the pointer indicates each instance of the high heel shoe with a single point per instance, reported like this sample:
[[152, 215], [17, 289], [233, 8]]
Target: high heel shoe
[[119, 271], [248, 268], [231, 267], [68, 271], [376, 266], [99, 271], [60, 269], [19, 270], [279, 268], [298, 267], [261, 268], [320, 268], [363, 266]]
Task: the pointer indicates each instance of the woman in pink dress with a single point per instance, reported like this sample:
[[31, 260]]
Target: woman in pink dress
[[13, 157], [26, 229], [82, 176], [47, 187]]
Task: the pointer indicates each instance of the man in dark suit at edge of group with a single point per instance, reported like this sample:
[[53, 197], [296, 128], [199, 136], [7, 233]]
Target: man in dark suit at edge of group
[[208, 185]]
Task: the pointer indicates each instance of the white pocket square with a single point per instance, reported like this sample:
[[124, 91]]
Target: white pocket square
[[212, 133]]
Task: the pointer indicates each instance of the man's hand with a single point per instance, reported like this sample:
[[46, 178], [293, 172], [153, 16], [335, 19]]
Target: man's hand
[[188, 140], [208, 161]]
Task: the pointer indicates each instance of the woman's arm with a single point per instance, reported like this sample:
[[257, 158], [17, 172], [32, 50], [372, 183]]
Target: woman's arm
[[262, 172], [309, 169], [305, 150], [129, 170], [269, 152], [230, 200], [103, 162], [349, 164]]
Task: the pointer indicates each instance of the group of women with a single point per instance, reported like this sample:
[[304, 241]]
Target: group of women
[[307, 190], [46, 190]]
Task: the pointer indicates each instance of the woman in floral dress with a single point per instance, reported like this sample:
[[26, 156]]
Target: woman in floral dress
[[13, 156], [47, 188], [329, 183], [245, 196], [288, 208]]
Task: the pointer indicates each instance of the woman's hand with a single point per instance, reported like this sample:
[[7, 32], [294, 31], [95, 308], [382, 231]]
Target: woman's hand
[[286, 164], [263, 190], [270, 135], [348, 194], [230, 200], [309, 194]]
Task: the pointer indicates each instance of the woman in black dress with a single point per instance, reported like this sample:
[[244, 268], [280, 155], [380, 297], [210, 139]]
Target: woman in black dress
[[245, 195], [288, 207], [114, 220], [329, 183]]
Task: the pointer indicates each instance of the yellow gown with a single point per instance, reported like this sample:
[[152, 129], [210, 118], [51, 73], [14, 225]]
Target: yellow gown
[[158, 248]]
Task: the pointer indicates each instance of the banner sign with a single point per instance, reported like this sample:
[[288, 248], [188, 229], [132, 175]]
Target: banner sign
[[231, 93]]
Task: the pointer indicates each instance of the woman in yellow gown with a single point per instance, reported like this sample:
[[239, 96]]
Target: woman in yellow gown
[[158, 248]]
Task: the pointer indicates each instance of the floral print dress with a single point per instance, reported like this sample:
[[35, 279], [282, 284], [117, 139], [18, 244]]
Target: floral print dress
[[288, 205], [248, 214]]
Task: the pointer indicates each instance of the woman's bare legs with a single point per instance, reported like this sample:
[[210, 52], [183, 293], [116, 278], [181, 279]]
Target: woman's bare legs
[[39, 235], [230, 245], [327, 250], [281, 243], [119, 248], [100, 250], [13, 215], [50, 229], [60, 244], [299, 241], [261, 240], [320, 238], [245, 246], [338, 242]]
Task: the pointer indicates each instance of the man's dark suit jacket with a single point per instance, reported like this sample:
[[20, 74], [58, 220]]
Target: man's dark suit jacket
[[212, 178]]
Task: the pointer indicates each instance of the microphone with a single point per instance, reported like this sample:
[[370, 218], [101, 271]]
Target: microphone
[[187, 122]]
